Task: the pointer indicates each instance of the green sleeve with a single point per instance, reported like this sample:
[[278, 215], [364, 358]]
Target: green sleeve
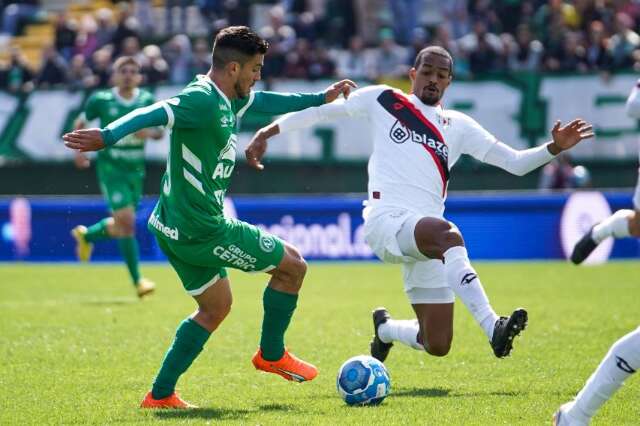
[[191, 109], [140, 118], [275, 103], [92, 108]]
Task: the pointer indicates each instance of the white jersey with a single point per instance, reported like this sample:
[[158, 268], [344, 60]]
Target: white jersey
[[414, 147]]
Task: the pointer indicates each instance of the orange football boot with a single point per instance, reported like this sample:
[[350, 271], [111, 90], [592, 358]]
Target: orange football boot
[[172, 401], [289, 367]]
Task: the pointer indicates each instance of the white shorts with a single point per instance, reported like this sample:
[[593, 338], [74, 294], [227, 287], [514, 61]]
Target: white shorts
[[389, 231], [636, 195]]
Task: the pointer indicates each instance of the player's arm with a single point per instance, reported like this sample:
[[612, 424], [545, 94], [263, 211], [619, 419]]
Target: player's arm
[[276, 103], [96, 139], [155, 133], [353, 105], [633, 102], [521, 162]]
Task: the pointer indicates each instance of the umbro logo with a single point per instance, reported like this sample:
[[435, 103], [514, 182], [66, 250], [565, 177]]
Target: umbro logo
[[468, 278], [294, 376], [624, 365]]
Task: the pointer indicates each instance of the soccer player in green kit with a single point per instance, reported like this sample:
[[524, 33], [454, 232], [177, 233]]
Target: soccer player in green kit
[[120, 169], [188, 222]]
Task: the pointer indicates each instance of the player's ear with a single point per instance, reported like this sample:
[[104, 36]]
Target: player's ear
[[412, 74]]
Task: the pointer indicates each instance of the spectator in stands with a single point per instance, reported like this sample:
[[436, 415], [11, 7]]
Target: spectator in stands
[[201, 57], [178, 7], [18, 76], [101, 67], [143, 11], [66, 30], [54, 70], [352, 63], [155, 69], [105, 27], [456, 18], [298, 61], [573, 56], [86, 40], [597, 54], [525, 53], [389, 59], [127, 26], [405, 19], [483, 49], [16, 13], [274, 60], [131, 47], [80, 76], [178, 54], [623, 42], [321, 66]]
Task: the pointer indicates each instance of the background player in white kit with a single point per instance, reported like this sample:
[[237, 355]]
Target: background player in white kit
[[416, 142], [622, 360], [624, 222]]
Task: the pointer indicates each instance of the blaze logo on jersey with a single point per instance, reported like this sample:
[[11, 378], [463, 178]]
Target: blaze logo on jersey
[[412, 125]]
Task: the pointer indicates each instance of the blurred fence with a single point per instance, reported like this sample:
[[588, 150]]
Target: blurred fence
[[519, 108], [495, 226]]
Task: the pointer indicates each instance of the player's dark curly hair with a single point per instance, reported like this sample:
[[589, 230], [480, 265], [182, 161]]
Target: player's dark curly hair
[[236, 44], [436, 50]]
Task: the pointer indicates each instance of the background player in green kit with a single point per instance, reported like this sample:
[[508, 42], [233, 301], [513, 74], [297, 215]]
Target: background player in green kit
[[188, 222], [120, 169]]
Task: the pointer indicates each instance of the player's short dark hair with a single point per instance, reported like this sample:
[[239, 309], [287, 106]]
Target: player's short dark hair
[[435, 50], [126, 60], [236, 44]]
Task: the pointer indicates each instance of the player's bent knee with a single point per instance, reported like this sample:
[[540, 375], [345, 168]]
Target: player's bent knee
[[634, 224], [436, 236], [438, 348]]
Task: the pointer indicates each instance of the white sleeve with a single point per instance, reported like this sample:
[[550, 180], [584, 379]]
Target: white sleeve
[[633, 102], [518, 162], [310, 116], [475, 140], [356, 105]]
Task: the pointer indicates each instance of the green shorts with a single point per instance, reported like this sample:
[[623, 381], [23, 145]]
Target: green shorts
[[120, 187], [237, 245]]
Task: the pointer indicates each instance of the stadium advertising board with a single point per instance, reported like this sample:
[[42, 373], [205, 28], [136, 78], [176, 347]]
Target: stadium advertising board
[[496, 227]]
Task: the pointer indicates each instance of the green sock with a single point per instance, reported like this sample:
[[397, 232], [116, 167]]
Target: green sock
[[190, 338], [97, 231], [278, 310], [129, 250]]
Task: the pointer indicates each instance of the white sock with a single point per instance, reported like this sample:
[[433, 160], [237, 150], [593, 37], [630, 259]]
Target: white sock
[[616, 225], [464, 281], [622, 360], [405, 331]]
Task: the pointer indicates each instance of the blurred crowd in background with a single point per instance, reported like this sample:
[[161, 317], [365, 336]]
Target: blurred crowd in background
[[317, 39]]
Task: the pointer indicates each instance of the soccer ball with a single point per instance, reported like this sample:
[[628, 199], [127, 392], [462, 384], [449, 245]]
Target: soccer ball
[[363, 380]]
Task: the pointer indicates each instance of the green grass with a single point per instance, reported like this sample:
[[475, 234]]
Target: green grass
[[77, 347]]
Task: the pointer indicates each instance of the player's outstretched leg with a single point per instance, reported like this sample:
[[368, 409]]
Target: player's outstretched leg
[[84, 248], [279, 301], [621, 362], [380, 349], [617, 225], [214, 305]]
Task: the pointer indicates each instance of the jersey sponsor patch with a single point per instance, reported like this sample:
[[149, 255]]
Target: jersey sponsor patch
[[412, 125]]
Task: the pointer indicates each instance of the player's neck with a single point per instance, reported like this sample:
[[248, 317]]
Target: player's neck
[[126, 93], [227, 87]]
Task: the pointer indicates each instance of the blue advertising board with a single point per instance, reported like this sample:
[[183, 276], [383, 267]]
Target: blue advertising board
[[495, 226]]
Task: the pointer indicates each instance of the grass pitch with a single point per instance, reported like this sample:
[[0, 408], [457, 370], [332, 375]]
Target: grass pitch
[[77, 347]]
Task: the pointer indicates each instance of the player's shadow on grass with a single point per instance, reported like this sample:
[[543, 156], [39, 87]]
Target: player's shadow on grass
[[221, 413], [421, 392]]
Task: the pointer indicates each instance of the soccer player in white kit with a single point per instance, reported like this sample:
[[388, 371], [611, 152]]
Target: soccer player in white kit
[[415, 143], [622, 360], [624, 222]]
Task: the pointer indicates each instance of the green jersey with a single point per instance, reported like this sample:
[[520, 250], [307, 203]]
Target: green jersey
[[202, 155], [108, 106]]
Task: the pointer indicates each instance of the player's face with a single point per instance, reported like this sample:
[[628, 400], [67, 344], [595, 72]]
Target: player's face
[[127, 77], [430, 80], [249, 74]]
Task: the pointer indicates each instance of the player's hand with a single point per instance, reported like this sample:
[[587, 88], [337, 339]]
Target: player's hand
[[340, 88], [256, 149], [84, 140], [569, 135], [81, 161], [143, 134]]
